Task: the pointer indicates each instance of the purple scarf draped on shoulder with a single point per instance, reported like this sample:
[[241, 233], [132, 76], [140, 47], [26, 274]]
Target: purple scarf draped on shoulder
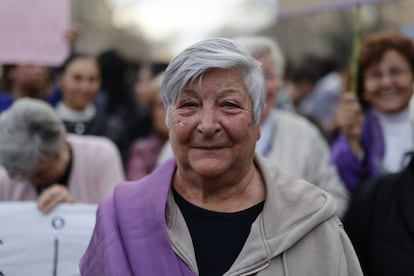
[[130, 236]]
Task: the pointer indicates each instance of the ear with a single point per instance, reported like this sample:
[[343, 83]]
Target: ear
[[258, 133]]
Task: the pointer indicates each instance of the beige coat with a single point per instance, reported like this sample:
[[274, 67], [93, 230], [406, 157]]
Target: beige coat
[[296, 234], [299, 148]]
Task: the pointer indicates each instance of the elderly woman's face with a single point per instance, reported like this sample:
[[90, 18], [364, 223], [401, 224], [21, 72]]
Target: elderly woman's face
[[389, 84], [49, 171], [211, 128]]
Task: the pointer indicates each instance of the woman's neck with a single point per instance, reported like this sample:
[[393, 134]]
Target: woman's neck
[[67, 113], [399, 116], [19, 91], [228, 194]]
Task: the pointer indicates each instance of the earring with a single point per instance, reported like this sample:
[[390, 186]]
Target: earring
[[181, 124]]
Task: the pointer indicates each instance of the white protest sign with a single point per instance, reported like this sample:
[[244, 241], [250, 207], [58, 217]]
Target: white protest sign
[[33, 32], [35, 244]]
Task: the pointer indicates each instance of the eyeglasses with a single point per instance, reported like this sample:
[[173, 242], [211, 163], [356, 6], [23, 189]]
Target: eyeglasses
[[392, 73]]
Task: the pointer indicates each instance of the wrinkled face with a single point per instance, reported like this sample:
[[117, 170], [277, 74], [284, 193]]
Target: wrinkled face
[[80, 83], [271, 82], [211, 129], [51, 170], [389, 84]]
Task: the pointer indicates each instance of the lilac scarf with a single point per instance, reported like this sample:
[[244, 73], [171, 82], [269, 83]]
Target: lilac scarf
[[130, 236]]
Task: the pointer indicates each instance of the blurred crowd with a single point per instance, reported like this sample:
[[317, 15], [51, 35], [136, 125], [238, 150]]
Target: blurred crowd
[[95, 121]]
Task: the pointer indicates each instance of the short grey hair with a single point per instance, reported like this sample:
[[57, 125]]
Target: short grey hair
[[214, 53], [263, 45], [30, 130]]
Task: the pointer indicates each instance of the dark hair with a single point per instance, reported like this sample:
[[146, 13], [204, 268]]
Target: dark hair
[[114, 81], [306, 72], [372, 51], [71, 58], [5, 81]]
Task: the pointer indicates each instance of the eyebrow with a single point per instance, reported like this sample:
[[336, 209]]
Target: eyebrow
[[226, 90]]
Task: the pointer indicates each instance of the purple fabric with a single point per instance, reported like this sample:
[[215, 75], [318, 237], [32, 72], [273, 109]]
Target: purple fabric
[[130, 236], [352, 170], [143, 156]]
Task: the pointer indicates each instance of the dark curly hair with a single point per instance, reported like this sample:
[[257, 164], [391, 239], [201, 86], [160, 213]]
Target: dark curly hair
[[372, 51]]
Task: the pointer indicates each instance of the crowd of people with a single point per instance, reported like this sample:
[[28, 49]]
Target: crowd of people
[[218, 162]]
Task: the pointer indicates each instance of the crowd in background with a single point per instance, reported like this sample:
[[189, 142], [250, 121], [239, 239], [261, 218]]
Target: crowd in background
[[348, 143]]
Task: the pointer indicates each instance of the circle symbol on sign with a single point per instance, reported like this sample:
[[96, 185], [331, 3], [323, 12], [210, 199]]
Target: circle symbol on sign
[[58, 223]]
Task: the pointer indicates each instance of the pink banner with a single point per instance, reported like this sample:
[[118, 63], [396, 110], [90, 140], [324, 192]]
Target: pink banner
[[33, 31]]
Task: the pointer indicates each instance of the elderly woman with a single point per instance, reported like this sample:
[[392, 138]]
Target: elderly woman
[[376, 130], [217, 209], [41, 162], [288, 140]]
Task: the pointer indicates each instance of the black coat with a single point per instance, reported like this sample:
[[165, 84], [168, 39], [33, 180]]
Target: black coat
[[380, 224]]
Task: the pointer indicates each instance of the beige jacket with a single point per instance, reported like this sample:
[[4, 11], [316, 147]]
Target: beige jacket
[[298, 147], [296, 234]]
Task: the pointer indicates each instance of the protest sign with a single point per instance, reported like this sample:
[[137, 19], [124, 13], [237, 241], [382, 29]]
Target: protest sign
[[32, 243], [33, 32]]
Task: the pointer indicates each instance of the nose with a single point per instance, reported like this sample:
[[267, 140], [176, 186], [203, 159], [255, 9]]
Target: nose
[[87, 85], [209, 123], [386, 79]]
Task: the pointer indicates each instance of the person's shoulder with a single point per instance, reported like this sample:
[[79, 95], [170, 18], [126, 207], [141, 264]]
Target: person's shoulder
[[293, 122], [97, 148], [377, 189], [292, 118], [147, 191], [293, 187], [90, 140], [304, 205]]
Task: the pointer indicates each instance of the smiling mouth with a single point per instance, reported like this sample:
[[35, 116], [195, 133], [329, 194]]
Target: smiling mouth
[[209, 147]]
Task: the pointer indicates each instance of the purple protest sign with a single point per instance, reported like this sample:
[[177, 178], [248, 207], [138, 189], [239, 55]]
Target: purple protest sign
[[33, 32]]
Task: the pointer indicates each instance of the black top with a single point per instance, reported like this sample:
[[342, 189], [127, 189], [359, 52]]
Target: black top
[[217, 237], [380, 224], [95, 126]]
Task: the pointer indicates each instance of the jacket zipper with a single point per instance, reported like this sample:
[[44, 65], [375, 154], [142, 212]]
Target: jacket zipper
[[257, 269]]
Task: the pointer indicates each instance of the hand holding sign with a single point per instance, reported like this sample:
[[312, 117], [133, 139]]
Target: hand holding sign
[[35, 244]]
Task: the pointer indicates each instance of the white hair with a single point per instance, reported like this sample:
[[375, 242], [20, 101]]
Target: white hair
[[212, 53], [29, 131]]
